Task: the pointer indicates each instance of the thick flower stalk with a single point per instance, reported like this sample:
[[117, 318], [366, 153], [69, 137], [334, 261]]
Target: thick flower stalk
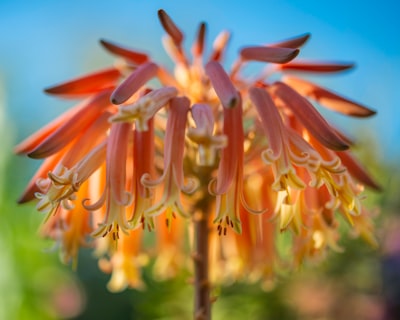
[[207, 159]]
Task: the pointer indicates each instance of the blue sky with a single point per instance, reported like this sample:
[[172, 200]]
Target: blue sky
[[45, 42]]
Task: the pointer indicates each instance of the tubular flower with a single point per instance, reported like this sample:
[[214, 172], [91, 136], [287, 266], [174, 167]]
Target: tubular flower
[[253, 156]]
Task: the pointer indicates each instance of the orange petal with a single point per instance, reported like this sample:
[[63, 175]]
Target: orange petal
[[39, 136], [85, 142], [318, 67], [48, 165], [175, 136], [270, 118], [328, 99], [117, 151], [131, 84], [232, 154], [88, 84], [222, 84], [293, 43], [143, 155], [170, 27], [309, 116], [357, 170], [269, 54], [87, 113], [132, 55]]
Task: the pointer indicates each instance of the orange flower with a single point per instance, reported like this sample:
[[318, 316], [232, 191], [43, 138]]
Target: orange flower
[[251, 155]]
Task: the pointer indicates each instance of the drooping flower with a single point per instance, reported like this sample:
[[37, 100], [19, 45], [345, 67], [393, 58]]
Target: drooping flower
[[253, 155]]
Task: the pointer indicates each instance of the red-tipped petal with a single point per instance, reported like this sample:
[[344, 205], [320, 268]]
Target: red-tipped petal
[[36, 138], [269, 54], [198, 45], [170, 27], [132, 55], [316, 67], [222, 84], [88, 84], [87, 113], [219, 46], [328, 99], [131, 84], [293, 43], [309, 116], [358, 171]]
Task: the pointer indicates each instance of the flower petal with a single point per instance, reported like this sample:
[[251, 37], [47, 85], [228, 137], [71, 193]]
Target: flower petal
[[270, 118], [198, 45], [232, 154], [175, 136], [170, 27], [39, 136], [328, 99], [309, 116], [293, 43], [145, 107], [318, 67], [219, 46], [92, 136], [132, 55], [132, 83], [47, 165], [88, 84], [357, 171], [222, 84], [202, 134], [117, 151], [268, 54], [143, 155], [88, 112]]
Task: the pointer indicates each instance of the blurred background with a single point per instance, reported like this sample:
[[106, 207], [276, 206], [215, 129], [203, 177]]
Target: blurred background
[[44, 42]]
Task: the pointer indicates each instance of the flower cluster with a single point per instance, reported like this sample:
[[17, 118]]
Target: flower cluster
[[148, 149]]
